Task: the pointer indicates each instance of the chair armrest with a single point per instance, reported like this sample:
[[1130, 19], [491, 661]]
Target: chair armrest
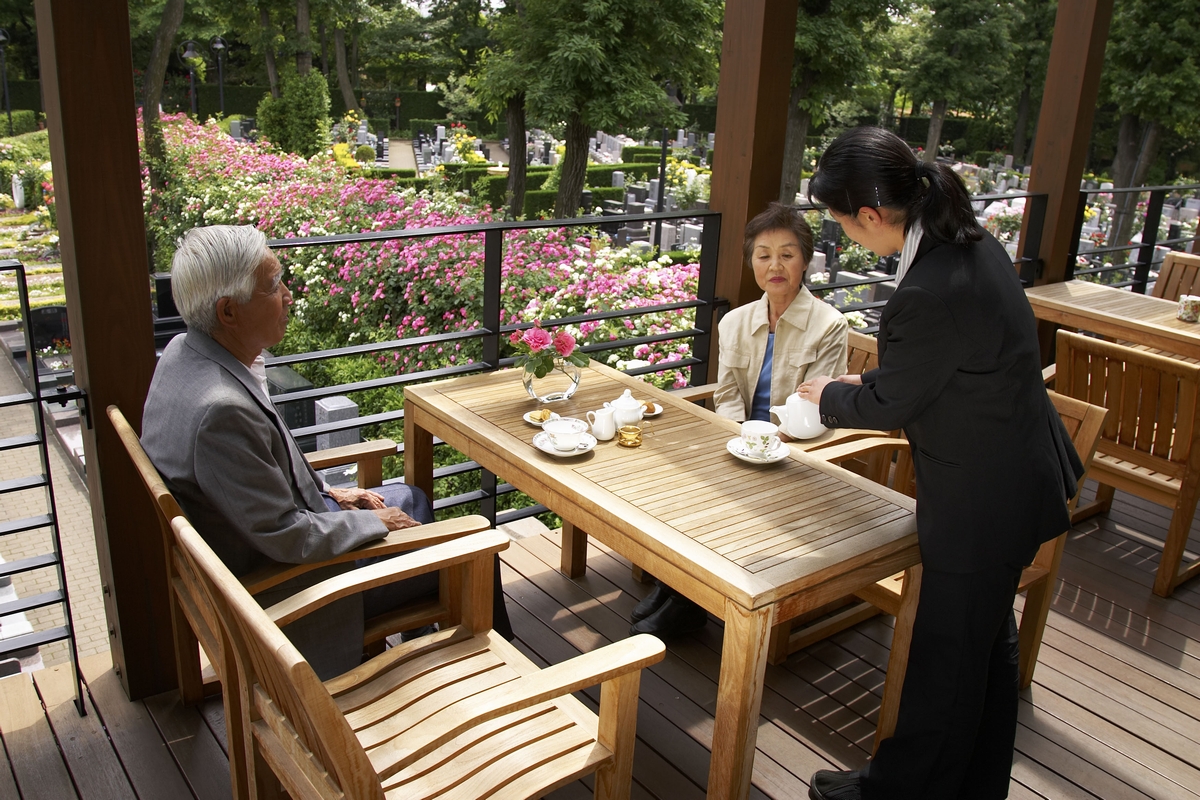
[[1048, 374], [861, 447], [395, 542], [835, 437], [695, 394], [580, 672], [429, 559], [348, 454]]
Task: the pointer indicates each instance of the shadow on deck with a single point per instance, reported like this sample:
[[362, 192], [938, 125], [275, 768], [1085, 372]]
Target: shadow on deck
[[1114, 711]]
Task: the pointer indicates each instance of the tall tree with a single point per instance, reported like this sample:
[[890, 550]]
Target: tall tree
[[961, 58], [304, 54], [834, 43], [1031, 54], [500, 87], [1152, 74]]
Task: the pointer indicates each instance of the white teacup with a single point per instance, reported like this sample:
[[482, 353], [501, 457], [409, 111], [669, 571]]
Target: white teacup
[[565, 432], [759, 438]]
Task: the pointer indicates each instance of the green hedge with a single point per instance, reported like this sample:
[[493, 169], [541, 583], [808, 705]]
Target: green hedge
[[388, 172], [22, 122], [631, 152], [242, 100], [599, 178], [381, 103], [701, 116]]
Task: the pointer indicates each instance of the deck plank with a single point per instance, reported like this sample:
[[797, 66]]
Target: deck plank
[[144, 755], [88, 751], [32, 751], [193, 746]]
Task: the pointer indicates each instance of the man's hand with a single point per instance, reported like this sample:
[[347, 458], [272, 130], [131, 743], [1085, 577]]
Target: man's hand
[[395, 519], [350, 499]]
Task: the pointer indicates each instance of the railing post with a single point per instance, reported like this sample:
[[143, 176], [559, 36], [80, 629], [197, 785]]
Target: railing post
[[1035, 215], [487, 503], [702, 347], [1077, 231], [1141, 273], [493, 254]]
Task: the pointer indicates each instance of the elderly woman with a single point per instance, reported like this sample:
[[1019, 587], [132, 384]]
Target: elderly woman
[[770, 346], [767, 348]]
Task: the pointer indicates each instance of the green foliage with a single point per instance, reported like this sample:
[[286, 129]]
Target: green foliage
[[1150, 64], [22, 122], [298, 121], [25, 155], [429, 125], [964, 51], [364, 153], [640, 152], [389, 172]]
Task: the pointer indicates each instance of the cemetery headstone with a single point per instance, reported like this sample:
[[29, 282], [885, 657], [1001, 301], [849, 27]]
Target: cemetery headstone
[[336, 409], [712, 140], [618, 179], [441, 132], [18, 192], [690, 234], [1008, 162]]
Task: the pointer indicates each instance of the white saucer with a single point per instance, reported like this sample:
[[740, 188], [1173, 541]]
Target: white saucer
[[532, 421], [541, 441], [657, 410], [738, 450]]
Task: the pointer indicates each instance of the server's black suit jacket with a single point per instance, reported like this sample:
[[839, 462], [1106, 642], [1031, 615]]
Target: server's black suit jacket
[[959, 371]]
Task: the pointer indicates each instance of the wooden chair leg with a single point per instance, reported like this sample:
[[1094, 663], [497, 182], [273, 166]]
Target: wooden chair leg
[[1033, 625], [574, 551], [1102, 503], [1169, 575], [187, 656], [618, 707], [889, 709]]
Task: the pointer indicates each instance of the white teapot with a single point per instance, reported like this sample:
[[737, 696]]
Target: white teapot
[[627, 410], [800, 418]]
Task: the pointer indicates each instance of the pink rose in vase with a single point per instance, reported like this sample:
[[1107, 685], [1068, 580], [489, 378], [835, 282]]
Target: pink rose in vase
[[564, 343]]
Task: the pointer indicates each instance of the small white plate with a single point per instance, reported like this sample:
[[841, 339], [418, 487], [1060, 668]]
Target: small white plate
[[657, 410], [738, 450], [534, 422], [541, 441]]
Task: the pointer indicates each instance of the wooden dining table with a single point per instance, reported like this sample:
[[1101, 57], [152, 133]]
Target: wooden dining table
[[755, 544], [1116, 314]]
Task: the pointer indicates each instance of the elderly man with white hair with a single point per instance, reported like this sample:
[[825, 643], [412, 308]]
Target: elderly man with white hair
[[215, 436]]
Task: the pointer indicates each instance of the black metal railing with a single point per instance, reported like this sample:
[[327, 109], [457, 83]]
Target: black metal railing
[[490, 330], [1136, 273]]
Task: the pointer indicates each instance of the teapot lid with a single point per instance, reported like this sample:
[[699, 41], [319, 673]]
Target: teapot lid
[[626, 400]]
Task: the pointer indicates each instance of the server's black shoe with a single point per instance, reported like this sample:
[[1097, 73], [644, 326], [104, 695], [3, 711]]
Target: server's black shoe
[[652, 602], [677, 617], [828, 784]]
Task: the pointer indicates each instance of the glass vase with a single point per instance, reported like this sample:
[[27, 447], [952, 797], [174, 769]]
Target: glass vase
[[559, 384]]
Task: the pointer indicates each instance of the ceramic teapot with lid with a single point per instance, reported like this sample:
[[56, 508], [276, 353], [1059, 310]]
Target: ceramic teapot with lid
[[800, 418], [627, 410]]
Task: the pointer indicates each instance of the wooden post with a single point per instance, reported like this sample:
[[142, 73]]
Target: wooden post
[[754, 90], [1065, 123], [85, 69]]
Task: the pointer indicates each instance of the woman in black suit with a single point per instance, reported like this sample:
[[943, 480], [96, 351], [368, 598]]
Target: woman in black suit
[[960, 372]]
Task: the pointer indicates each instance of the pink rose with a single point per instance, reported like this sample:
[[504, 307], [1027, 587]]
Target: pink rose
[[537, 339], [564, 343], [514, 337]]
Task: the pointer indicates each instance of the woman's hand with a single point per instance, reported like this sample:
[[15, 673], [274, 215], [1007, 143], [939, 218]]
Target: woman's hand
[[811, 390], [350, 499]]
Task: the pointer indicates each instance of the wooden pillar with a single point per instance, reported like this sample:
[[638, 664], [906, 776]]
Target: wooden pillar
[[86, 71], [1065, 122], [752, 99]]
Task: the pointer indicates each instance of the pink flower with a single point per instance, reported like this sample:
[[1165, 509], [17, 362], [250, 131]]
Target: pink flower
[[514, 338], [564, 343], [537, 339]]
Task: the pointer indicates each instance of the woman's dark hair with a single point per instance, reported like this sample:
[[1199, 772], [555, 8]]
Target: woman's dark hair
[[874, 167], [778, 217]]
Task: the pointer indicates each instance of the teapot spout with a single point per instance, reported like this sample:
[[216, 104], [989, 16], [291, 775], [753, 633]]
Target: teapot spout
[[781, 412]]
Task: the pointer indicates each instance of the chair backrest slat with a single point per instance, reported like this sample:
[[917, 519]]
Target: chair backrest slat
[[1179, 275], [1152, 398], [863, 353]]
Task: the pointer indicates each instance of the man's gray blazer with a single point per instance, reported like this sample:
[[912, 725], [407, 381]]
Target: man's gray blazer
[[234, 467]]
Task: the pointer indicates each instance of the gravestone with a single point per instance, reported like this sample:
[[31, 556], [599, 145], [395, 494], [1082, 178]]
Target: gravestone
[[618, 179], [712, 140], [653, 194], [690, 234], [1008, 162], [18, 192], [628, 234], [441, 132], [613, 207], [47, 324], [681, 136], [640, 193], [585, 200], [363, 136], [336, 409], [670, 235], [691, 139], [235, 128]]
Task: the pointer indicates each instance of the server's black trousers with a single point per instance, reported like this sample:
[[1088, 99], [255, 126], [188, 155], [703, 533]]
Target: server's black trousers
[[958, 708]]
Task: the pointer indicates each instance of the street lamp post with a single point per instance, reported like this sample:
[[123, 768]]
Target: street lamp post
[[189, 57], [218, 46], [4, 70]]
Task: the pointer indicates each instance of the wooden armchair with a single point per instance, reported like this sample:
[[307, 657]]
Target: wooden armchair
[[460, 713], [1179, 275], [896, 595], [1149, 444], [194, 622]]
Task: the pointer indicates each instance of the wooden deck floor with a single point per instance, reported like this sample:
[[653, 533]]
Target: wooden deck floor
[[1114, 711]]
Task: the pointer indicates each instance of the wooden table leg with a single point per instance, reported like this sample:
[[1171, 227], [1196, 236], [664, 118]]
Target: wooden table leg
[[889, 708], [574, 551], [418, 453], [739, 698]]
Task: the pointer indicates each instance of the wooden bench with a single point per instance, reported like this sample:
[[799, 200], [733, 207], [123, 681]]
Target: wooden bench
[[194, 622], [1179, 275], [1149, 444], [460, 713]]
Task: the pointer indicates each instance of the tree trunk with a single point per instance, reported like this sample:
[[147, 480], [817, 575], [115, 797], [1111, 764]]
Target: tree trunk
[[156, 71], [514, 115], [1021, 128], [1136, 150], [793, 143], [887, 109], [324, 48], [343, 75], [264, 21], [936, 117], [303, 38], [574, 171]]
